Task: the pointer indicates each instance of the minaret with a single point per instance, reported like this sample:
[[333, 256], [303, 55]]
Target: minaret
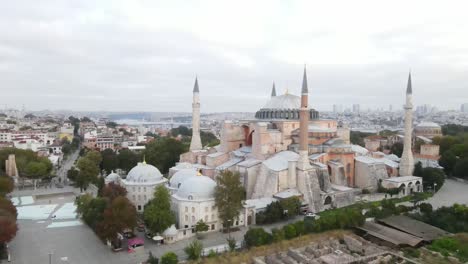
[[196, 144], [273, 91], [407, 162], [303, 162]]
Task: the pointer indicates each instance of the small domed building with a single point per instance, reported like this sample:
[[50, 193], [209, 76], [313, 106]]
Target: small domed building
[[141, 182], [176, 180], [428, 130], [112, 177]]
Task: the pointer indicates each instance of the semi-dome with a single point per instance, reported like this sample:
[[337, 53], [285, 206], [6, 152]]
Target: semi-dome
[[144, 172], [197, 188], [285, 101], [180, 176]]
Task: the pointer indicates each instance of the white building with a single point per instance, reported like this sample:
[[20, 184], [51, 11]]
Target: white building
[[141, 182]]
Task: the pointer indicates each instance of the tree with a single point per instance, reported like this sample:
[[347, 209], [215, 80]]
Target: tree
[[461, 168], [157, 213], [88, 172], [255, 237], [8, 226], [432, 176], [278, 234], [201, 226], [448, 160], [110, 161], [418, 169], [91, 209], [291, 206], [94, 156], [111, 124], [164, 153], [194, 250], [169, 258], [127, 159], [397, 149], [120, 215], [72, 174], [6, 185], [112, 191], [229, 194]]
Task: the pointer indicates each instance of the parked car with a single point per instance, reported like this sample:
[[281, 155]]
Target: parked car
[[312, 215]]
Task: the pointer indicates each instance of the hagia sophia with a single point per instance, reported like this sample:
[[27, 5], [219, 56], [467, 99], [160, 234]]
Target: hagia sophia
[[285, 151]]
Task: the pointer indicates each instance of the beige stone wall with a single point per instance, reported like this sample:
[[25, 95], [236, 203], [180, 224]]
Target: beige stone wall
[[344, 134], [216, 160], [232, 136], [430, 150]]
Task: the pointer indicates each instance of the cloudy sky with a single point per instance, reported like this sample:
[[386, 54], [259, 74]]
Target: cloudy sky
[[143, 55]]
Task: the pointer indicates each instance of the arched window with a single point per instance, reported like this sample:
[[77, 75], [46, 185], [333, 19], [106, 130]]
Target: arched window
[[186, 218], [206, 218], [193, 219], [193, 209]]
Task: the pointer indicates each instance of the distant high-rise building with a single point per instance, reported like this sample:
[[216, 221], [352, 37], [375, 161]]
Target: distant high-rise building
[[335, 108], [390, 108], [464, 108], [356, 108]]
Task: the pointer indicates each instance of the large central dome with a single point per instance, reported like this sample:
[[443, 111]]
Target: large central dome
[[285, 101], [283, 107]]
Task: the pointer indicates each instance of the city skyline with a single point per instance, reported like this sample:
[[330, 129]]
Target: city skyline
[[144, 56]]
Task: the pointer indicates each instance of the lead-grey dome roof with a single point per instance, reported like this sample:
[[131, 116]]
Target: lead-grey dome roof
[[285, 101], [180, 176], [144, 172], [197, 188]]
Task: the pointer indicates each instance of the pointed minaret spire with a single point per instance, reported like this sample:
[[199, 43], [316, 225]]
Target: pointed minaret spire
[[304, 125], [273, 90], [195, 87], [196, 144], [407, 161], [305, 88], [409, 88]]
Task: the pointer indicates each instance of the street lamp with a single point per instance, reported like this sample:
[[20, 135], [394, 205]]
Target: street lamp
[[435, 184]]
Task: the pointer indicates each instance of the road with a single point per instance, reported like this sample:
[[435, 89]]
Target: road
[[66, 165]]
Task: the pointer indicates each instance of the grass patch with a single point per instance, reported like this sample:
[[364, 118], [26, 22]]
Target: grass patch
[[456, 245], [246, 256]]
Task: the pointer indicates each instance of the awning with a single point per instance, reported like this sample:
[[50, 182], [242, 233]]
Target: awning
[[158, 238]]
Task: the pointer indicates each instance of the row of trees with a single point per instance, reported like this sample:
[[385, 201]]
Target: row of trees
[[279, 210], [431, 176], [342, 218], [454, 150], [8, 214], [88, 170], [453, 219], [29, 164], [109, 214], [207, 138]]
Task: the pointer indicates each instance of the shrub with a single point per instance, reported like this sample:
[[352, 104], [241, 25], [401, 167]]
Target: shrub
[[365, 191], [257, 237], [411, 252], [289, 231], [169, 258], [211, 254], [278, 234], [194, 250], [300, 228], [231, 243], [426, 208]]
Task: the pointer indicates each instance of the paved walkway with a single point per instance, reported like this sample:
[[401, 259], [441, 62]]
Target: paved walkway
[[451, 192]]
